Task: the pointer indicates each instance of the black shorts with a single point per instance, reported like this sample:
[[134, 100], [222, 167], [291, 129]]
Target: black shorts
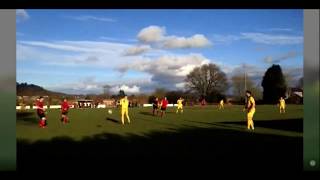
[[163, 108], [64, 112], [155, 107], [41, 115]]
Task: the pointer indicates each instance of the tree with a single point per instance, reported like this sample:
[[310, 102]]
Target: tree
[[190, 97], [238, 86], [214, 96], [159, 92], [151, 99], [173, 96], [300, 83], [121, 93], [206, 80], [106, 90], [256, 92], [274, 84], [288, 79]]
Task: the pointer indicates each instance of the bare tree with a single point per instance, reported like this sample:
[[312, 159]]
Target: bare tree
[[288, 79], [206, 79], [159, 92], [106, 90], [240, 84]]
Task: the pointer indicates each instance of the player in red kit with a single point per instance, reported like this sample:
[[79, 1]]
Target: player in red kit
[[41, 113], [203, 102], [64, 111], [164, 104]]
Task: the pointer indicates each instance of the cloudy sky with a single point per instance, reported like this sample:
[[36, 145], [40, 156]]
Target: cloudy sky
[[80, 51]]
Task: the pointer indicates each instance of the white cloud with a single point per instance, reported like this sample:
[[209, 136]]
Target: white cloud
[[21, 15], [157, 36], [261, 38], [92, 59], [79, 46], [73, 53], [166, 71], [195, 41], [151, 34], [279, 58], [180, 85], [252, 71], [272, 39], [91, 18], [87, 85], [127, 89], [108, 38], [224, 39], [294, 72], [280, 29], [268, 59], [136, 50]]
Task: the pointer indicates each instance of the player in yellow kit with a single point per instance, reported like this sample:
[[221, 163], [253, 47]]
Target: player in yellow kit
[[124, 103], [180, 105], [221, 103], [251, 109], [282, 105]]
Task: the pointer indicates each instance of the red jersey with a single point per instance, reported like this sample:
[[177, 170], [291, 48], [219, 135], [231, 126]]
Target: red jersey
[[164, 103], [39, 107], [203, 102], [64, 106]]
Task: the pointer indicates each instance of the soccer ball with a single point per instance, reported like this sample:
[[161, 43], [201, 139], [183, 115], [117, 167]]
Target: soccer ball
[[110, 111]]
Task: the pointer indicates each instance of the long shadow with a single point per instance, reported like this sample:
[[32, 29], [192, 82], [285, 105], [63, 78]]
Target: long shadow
[[112, 120], [190, 149], [28, 117], [150, 113], [295, 125], [284, 124], [213, 124], [146, 113], [170, 112]]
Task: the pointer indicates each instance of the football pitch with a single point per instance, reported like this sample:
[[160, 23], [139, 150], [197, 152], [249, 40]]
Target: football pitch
[[199, 133]]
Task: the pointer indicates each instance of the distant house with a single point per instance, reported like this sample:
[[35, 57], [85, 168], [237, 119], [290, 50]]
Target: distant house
[[85, 103], [294, 95], [109, 102]]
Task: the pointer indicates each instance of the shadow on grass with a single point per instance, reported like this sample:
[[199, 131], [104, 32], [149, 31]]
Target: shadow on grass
[[147, 113], [191, 149], [112, 120], [295, 125], [159, 114], [29, 117], [284, 124]]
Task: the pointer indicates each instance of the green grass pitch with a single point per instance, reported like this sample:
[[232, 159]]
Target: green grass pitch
[[87, 122], [207, 134]]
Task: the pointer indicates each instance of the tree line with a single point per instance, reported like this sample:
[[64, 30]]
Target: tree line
[[206, 82]]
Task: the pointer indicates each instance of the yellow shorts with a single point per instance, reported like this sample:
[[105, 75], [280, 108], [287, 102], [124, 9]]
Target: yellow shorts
[[123, 111], [180, 107], [251, 113]]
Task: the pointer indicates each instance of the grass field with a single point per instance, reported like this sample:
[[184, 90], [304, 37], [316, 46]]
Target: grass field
[[199, 134]]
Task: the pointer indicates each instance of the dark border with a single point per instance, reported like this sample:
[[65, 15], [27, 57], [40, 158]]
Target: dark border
[[162, 4]]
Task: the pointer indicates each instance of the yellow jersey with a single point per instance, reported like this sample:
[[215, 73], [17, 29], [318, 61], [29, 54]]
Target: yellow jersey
[[282, 102], [251, 104], [179, 102], [221, 102], [124, 103]]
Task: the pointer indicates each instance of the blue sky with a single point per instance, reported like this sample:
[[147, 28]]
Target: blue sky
[[79, 51]]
